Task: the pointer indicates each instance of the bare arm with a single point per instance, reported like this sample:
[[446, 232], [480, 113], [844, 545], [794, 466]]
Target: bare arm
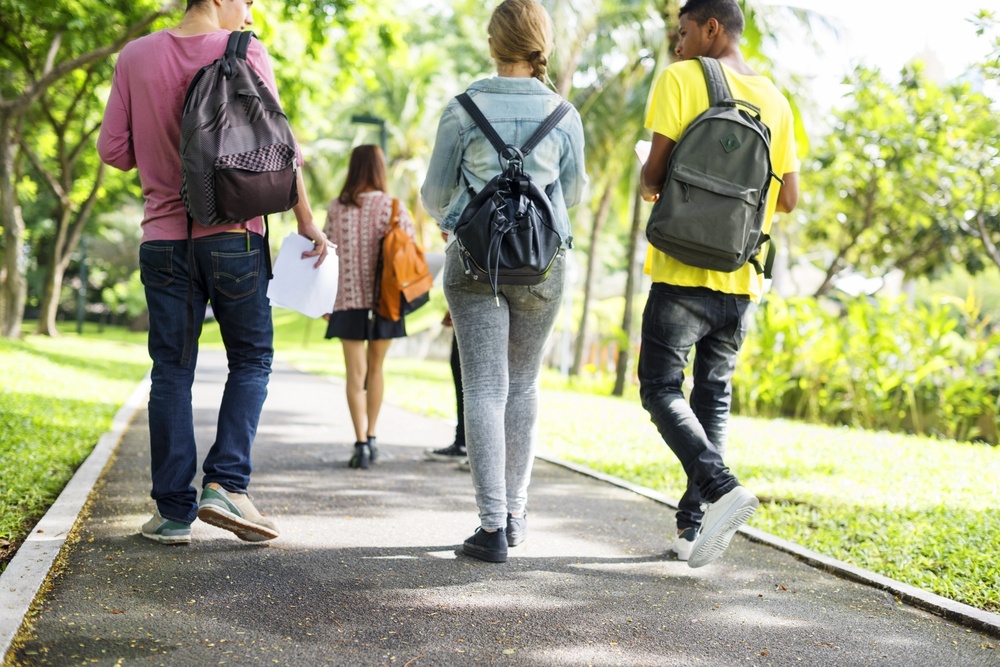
[[307, 228], [654, 172], [788, 196]]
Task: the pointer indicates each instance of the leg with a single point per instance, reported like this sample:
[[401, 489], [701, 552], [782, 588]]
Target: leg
[[356, 363], [173, 453], [377, 350], [236, 280], [675, 319], [482, 328], [533, 312], [456, 376]]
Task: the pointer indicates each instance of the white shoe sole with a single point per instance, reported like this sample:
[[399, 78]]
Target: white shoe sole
[[718, 528], [168, 539], [247, 531]]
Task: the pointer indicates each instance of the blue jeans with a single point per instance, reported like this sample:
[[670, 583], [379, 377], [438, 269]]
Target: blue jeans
[[500, 348], [715, 325], [234, 280]]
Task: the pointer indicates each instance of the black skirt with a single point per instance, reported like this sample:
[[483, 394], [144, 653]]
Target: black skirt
[[363, 324]]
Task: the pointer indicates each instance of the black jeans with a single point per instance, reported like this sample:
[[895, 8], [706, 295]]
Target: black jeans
[[456, 376], [715, 324]]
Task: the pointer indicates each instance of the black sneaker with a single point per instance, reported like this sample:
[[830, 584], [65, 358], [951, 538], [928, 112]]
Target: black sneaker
[[362, 456], [453, 452], [517, 529], [490, 547]]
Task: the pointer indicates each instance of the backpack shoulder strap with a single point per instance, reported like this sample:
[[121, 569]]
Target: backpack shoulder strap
[[715, 79], [547, 126], [394, 218], [244, 43], [481, 121]]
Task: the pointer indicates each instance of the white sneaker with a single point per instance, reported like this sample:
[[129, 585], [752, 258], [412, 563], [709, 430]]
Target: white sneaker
[[234, 512], [722, 519], [684, 543], [464, 465]]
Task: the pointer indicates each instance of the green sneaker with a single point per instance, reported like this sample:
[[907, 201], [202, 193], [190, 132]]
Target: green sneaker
[[166, 531], [234, 512]]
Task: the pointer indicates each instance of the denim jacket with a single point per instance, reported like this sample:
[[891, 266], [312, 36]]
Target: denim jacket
[[463, 157]]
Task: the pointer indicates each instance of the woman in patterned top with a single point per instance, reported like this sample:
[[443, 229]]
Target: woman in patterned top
[[356, 222]]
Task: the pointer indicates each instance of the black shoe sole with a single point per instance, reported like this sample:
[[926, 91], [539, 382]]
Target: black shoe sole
[[361, 458], [482, 553]]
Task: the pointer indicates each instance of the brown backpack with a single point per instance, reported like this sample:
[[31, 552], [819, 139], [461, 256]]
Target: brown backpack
[[402, 280]]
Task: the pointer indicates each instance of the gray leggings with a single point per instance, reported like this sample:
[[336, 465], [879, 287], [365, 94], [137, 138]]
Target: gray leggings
[[501, 351]]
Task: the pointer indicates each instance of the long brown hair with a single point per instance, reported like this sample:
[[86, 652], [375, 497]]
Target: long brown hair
[[365, 172]]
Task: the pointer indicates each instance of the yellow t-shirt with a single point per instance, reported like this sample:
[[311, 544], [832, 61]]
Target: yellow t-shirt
[[678, 97]]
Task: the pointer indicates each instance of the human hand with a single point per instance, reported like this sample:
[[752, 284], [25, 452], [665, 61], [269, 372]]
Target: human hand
[[321, 244]]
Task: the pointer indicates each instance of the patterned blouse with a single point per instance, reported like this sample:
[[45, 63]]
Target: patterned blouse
[[357, 232]]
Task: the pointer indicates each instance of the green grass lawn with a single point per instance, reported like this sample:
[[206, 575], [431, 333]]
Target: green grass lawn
[[917, 510], [57, 397]]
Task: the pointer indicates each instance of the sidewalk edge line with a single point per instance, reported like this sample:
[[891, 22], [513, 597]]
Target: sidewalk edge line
[[967, 615], [28, 569]]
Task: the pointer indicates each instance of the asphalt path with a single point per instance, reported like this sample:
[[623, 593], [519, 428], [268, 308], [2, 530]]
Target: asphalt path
[[366, 572]]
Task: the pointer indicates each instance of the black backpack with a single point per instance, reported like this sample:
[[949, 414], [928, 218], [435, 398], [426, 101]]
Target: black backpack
[[506, 235], [237, 153], [237, 148], [711, 209]]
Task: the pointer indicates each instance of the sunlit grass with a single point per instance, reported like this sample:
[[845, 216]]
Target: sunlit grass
[[57, 397]]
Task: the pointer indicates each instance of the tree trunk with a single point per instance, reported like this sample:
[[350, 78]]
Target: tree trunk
[[50, 300], [602, 214], [13, 290], [632, 277], [67, 241]]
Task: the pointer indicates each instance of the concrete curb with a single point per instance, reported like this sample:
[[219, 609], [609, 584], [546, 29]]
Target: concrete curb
[[949, 609], [26, 572]]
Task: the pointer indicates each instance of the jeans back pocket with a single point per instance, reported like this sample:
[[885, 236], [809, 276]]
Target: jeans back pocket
[[156, 265], [235, 273]]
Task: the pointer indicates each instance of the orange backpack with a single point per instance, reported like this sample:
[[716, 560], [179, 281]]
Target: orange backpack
[[402, 280]]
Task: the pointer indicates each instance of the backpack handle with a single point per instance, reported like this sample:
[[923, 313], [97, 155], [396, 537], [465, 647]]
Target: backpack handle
[[719, 94], [236, 47]]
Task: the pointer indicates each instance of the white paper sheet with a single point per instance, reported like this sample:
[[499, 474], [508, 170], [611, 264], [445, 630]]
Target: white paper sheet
[[297, 284], [642, 150]]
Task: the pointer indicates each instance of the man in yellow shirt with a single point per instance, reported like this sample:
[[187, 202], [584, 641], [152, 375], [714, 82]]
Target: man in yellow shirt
[[707, 310]]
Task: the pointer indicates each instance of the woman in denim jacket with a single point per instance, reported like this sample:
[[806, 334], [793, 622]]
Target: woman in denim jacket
[[501, 346]]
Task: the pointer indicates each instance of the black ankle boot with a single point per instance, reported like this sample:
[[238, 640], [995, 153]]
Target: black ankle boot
[[361, 458], [372, 449]]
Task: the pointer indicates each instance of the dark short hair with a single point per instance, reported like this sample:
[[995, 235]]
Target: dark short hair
[[365, 171], [726, 12], [193, 3]]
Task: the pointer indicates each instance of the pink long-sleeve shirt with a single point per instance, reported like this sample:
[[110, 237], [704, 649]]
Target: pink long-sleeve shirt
[[142, 122]]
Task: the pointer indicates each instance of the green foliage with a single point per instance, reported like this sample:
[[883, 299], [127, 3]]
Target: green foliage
[[876, 364], [905, 180], [57, 397]]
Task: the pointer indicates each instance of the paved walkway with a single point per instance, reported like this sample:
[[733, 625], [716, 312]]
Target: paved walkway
[[366, 572]]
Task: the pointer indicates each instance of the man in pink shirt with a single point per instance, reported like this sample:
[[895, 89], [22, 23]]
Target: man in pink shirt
[[141, 129]]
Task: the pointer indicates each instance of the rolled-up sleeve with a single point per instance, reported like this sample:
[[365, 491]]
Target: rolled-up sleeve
[[114, 143], [443, 171]]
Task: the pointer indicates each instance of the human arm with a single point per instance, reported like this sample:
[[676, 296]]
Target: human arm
[[114, 144], [573, 167], [788, 195], [654, 172], [445, 165], [306, 226]]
